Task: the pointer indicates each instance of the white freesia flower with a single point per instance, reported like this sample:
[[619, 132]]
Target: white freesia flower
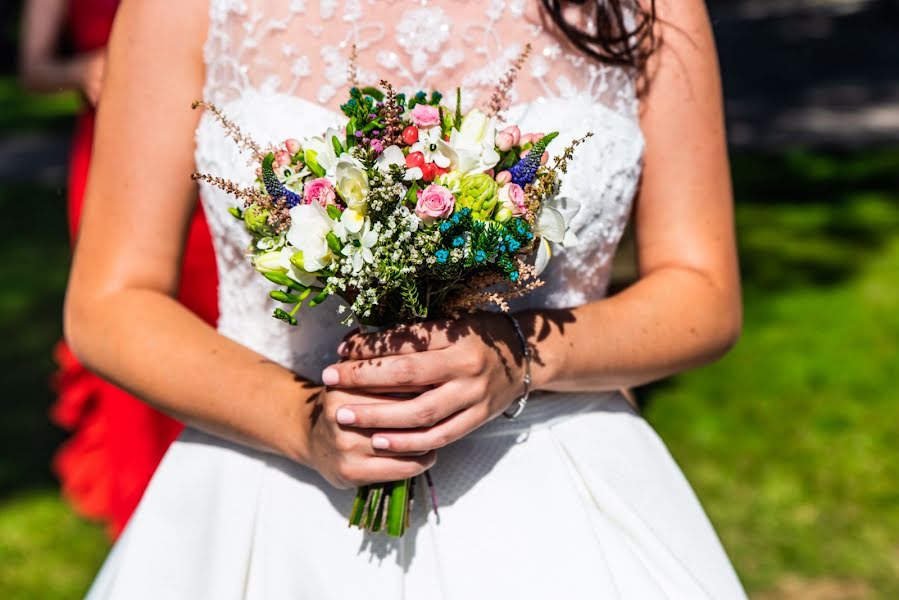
[[358, 249], [278, 261], [554, 225], [473, 143], [392, 155], [434, 148], [320, 150], [351, 222], [309, 228], [352, 182]]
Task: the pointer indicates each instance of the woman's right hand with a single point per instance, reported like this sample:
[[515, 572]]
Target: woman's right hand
[[344, 455]]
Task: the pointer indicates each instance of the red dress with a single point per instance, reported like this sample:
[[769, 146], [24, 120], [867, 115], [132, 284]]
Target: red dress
[[117, 441]]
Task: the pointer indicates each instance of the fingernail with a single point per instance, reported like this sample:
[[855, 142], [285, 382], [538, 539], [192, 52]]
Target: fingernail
[[381, 443], [343, 349], [345, 416], [330, 376]]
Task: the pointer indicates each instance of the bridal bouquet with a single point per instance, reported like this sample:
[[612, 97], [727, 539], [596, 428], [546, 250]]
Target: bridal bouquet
[[411, 210]]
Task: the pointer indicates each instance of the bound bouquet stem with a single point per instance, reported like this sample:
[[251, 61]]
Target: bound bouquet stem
[[411, 210]]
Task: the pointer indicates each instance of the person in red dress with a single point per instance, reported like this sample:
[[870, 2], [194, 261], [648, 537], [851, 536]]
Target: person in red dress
[[117, 441]]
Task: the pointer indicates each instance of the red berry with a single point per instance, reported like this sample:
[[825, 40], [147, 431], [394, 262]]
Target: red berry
[[415, 159], [429, 171], [441, 171], [410, 135]]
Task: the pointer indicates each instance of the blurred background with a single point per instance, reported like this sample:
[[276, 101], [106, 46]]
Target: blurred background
[[791, 441]]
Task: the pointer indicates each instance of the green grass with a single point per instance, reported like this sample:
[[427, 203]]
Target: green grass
[[46, 552], [790, 441], [22, 111]]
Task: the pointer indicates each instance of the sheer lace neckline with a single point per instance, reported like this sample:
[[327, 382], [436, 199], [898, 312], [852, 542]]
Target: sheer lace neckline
[[302, 48]]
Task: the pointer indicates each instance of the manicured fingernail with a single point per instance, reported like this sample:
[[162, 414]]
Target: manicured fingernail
[[330, 376], [381, 443], [345, 416], [343, 349]]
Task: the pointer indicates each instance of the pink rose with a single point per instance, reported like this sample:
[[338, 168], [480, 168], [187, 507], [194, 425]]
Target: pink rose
[[319, 190], [512, 197], [434, 202], [424, 116]]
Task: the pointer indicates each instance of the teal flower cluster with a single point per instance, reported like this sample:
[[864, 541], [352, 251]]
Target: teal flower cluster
[[467, 244]]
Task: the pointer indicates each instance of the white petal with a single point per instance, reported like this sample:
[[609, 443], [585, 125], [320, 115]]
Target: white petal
[[352, 220], [413, 174], [544, 253], [392, 155], [369, 239], [551, 224]]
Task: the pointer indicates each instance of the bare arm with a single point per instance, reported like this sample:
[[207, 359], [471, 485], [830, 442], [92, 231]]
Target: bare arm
[[121, 317], [684, 311], [40, 68]]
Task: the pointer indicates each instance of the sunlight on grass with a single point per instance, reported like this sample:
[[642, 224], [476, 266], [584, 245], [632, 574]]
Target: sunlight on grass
[[790, 440], [46, 552]]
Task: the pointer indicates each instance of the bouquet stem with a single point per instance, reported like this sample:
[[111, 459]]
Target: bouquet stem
[[383, 507]]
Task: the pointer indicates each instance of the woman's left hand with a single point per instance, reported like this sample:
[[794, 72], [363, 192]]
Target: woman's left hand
[[471, 369]]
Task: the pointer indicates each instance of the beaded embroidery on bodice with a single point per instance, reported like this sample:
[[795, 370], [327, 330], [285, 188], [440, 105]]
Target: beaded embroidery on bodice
[[279, 69]]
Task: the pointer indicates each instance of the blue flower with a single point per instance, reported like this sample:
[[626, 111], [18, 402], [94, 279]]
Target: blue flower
[[524, 171], [480, 256], [442, 256], [445, 226], [513, 275], [458, 241], [514, 246], [465, 212], [502, 248]]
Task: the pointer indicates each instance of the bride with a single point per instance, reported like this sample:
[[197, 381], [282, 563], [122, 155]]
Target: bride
[[576, 497]]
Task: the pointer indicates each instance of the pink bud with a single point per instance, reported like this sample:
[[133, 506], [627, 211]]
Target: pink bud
[[292, 145], [504, 141], [503, 177], [545, 158], [282, 158], [258, 171], [515, 132], [524, 153]]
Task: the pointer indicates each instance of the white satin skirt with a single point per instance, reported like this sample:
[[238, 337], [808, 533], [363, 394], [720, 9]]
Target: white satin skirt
[[577, 498]]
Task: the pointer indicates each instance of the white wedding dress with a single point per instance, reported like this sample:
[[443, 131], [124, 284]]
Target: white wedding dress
[[577, 498]]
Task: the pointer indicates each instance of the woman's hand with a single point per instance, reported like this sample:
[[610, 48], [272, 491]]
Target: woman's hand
[[90, 68], [344, 455], [473, 366]]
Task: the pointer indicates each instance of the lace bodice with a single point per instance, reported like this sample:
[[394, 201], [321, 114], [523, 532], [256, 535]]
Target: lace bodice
[[280, 68]]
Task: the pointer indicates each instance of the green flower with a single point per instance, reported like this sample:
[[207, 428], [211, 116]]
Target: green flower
[[256, 221], [479, 193]]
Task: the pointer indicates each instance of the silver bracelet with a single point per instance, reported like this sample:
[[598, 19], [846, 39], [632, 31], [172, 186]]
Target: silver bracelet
[[518, 406]]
